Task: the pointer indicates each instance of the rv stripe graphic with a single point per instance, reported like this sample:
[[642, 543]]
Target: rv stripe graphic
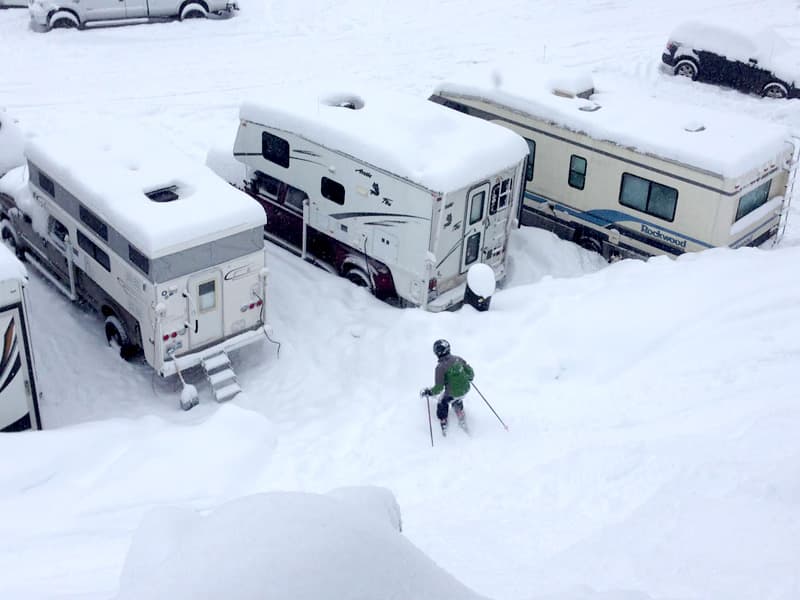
[[11, 362]]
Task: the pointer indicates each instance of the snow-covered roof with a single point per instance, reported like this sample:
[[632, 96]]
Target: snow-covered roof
[[405, 135], [11, 143], [112, 175], [723, 143], [765, 46]]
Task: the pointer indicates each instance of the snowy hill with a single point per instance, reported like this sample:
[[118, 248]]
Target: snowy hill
[[652, 448]]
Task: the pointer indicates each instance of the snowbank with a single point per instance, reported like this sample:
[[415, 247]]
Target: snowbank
[[12, 144], [10, 267], [435, 147], [281, 545], [729, 145]]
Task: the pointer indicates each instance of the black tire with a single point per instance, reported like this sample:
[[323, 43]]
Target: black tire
[[64, 20], [193, 10], [686, 67], [590, 243], [358, 277], [10, 240], [775, 89], [117, 335]]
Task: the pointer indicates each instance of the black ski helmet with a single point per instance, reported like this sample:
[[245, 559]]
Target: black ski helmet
[[441, 348]]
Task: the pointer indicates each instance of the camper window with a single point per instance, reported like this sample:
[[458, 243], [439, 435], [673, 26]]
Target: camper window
[[139, 260], [58, 232], [476, 208], [752, 200], [648, 196], [577, 172], [47, 184], [94, 223], [275, 149], [94, 251], [531, 160], [473, 247], [332, 190], [295, 198], [266, 185], [207, 295]]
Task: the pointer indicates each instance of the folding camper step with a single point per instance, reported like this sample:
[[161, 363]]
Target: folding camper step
[[216, 361], [219, 378], [227, 392]]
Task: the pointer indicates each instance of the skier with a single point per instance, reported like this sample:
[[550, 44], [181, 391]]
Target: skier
[[453, 376]]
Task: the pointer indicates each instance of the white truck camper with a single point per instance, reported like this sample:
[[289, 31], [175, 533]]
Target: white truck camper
[[392, 192], [19, 392], [631, 176], [169, 255]]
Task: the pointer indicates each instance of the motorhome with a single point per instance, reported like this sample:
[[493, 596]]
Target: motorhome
[[170, 256], [631, 176], [392, 192], [19, 391]]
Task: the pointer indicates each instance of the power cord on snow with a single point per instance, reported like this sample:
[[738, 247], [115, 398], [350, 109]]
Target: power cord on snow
[[264, 329]]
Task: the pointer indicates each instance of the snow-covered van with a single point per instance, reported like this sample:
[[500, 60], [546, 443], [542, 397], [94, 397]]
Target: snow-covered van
[[392, 192], [19, 392], [631, 176], [171, 257], [54, 14]]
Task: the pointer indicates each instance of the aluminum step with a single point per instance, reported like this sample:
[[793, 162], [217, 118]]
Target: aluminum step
[[227, 392], [220, 377], [212, 363]]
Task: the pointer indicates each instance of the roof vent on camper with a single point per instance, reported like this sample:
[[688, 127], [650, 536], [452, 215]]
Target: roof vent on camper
[[694, 127], [350, 101], [165, 194]]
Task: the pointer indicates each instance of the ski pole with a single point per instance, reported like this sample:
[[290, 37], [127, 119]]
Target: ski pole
[[489, 405], [430, 426]]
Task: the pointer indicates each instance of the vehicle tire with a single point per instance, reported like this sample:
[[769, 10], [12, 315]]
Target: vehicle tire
[[686, 67], [62, 19], [117, 335], [193, 10], [358, 277], [10, 238], [590, 243], [774, 89]]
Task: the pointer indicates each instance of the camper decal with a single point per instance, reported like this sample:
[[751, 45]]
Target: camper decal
[[10, 362], [376, 190], [657, 233], [387, 201], [364, 173]]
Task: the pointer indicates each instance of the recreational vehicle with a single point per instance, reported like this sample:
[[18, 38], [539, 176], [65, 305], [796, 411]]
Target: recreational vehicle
[[394, 193], [630, 176], [19, 394], [170, 256]]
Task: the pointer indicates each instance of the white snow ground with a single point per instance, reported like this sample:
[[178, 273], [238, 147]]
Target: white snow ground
[[652, 407]]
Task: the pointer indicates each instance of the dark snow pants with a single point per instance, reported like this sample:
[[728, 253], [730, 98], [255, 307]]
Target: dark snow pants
[[443, 407]]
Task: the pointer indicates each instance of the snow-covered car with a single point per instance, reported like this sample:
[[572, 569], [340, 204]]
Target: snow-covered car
[[60, 14], [13, 4], [760, 63]]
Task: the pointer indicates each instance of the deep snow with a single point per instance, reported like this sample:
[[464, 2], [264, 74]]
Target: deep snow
[[652, 410]]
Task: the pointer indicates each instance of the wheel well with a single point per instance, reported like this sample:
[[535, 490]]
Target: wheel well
[[64, 10], [188, 2], [107, 311]]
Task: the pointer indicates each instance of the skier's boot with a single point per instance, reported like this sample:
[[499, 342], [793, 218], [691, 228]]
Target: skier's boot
[[443, 423], [462, 418]]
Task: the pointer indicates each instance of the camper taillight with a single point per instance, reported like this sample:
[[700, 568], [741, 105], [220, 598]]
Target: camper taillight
[[251, 306]]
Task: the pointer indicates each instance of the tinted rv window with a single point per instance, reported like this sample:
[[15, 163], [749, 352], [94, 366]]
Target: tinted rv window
[[94, 251], [332, 190], [752, 200], [473, 248], [531, 159], [139, 260], [294, 198], [275, 149], [94, 223], [47, 184], [476, 208], [266, 185], [577, 172], [648, 196]]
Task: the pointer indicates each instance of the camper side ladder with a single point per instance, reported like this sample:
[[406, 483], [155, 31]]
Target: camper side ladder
[[787, 198], [220, 375]]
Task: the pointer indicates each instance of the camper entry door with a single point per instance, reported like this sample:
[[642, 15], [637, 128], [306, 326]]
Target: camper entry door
[[477, 199], [206, 317]]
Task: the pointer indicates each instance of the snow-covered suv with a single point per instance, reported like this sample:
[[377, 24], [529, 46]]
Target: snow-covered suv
[[51, 14], [759, 63]]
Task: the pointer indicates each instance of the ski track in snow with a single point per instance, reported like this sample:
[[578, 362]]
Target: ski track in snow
[[650, 405]]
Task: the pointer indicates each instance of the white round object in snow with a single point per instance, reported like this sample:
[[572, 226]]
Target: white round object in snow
[[480, 279]]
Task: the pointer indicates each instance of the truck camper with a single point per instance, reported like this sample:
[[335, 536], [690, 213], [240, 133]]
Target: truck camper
[[394, 193], [170, 256], [631, 176], [19, 391]]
